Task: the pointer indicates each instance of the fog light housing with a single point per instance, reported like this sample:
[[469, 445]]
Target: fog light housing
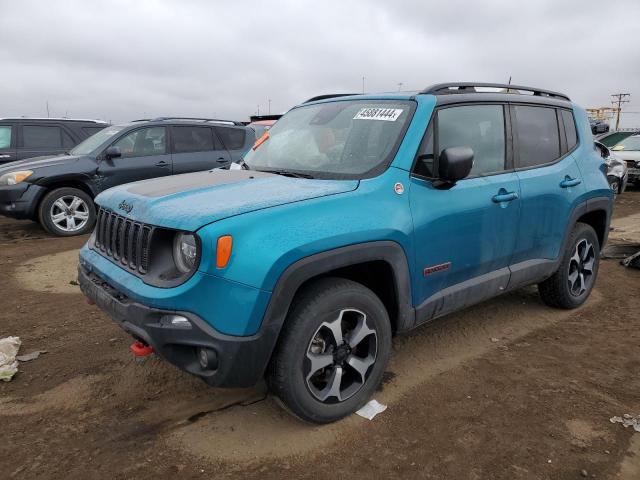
[[208, 358], [175, 321]]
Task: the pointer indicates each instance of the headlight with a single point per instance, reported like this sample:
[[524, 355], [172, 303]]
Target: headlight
[[13, 178], [185, 252]]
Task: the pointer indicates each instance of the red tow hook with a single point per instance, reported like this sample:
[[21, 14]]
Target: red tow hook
[[140, 349]]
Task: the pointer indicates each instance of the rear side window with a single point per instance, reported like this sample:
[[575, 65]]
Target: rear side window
[[480, 127], [192, 139], [41, 137], [569, 129], [5, 136], [91, 130], [233, 138], [538, 137], [67, 141]]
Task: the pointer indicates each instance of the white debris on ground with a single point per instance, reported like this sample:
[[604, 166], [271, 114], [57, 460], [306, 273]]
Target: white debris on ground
[[371, 409], [628, 421], [9, 347], [30, 356]]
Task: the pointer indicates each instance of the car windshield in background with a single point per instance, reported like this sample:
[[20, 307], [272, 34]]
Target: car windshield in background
[[94, 141], [344, 139], [629, 143]]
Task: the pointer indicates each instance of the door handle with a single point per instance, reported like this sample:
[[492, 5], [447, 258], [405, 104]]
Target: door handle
[[221, 160], [570, 182], [162, 163], [504, 196]]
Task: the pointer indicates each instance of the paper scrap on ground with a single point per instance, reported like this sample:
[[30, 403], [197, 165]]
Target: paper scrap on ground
[[371, 409], [8, 350], [30, 356], [628, 421]]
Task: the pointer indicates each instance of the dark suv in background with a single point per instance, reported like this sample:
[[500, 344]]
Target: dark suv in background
[[58, 191], [22, 138]]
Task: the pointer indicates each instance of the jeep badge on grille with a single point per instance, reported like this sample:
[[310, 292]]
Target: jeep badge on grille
[[127, 207]]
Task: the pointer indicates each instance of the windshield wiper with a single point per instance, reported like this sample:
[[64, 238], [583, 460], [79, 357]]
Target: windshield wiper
[[289, 173]]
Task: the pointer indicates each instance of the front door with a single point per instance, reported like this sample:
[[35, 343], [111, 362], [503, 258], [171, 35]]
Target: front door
[[197, 148], [7, 143], [464, 235], [144, 155]]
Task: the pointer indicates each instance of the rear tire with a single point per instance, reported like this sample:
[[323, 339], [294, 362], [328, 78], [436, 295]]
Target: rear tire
[[66, 212], [332, 352], [570, 286]]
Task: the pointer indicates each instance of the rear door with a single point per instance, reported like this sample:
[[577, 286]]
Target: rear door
[[550, 184], [197, 148], [145, 154], [8, 138], [43, 139]]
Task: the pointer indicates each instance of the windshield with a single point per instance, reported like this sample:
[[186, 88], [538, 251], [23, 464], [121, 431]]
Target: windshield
[[94, 141], [629, 143], [345, 139]]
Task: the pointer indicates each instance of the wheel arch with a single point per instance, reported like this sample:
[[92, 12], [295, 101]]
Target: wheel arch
[[380, 266], [71, 182]]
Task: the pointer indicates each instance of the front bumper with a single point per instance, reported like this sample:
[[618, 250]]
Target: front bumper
[[19, 201], [241, 361], [634, 175]]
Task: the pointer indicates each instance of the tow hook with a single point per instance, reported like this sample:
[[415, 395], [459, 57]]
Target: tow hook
[[140, 349]]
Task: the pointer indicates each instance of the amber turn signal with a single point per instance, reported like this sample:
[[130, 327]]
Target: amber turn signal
[[223, 252]]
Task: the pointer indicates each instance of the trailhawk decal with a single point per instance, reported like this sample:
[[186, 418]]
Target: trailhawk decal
[[387, 114], [436, 268]]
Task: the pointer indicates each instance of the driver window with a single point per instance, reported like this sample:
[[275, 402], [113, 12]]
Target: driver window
[[480, 127], [143, 142]]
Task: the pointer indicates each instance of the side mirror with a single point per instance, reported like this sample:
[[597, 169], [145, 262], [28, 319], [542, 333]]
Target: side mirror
[[112, 152], [455, 163]]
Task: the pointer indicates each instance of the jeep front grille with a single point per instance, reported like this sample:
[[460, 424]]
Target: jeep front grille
[[123, 240]]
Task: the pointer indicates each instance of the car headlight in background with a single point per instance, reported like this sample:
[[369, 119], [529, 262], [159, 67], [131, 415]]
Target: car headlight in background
[[185, 252], [13, 178]]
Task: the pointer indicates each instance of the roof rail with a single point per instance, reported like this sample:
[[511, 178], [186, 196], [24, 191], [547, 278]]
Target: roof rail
[[470, 87], [196, 119], [84, 120], [330, 95]]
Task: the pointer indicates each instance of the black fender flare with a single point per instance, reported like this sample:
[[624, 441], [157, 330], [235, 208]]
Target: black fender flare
[[590, 205], [312, 266]]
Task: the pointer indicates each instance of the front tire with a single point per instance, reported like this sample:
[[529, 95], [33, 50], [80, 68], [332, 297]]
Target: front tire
[[572, 283], [333, 351], [67, 212]]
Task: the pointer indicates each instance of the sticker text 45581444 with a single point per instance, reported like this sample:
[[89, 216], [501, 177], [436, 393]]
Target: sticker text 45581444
[[387, 114]]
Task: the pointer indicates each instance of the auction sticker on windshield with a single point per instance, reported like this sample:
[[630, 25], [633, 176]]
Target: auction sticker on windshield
[[388, 114]]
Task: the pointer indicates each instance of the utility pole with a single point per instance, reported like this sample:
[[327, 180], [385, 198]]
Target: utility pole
[[619, 100], [269, 111], [363, 85], [400, 86], [258, 110], [47, 108]]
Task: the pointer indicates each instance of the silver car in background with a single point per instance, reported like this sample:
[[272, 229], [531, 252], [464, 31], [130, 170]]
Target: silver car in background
[[617, 172], [629, 151]]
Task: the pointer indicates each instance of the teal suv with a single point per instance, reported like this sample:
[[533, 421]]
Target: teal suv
[[354, 218]]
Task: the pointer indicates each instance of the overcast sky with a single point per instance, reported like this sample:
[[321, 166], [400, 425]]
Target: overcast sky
[[122, 60]]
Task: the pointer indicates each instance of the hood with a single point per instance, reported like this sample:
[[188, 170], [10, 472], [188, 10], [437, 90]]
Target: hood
[[628, 154], [192, 200], [36, 162]]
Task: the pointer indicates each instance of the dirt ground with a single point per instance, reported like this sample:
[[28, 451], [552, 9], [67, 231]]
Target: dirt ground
[[509, 389]]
